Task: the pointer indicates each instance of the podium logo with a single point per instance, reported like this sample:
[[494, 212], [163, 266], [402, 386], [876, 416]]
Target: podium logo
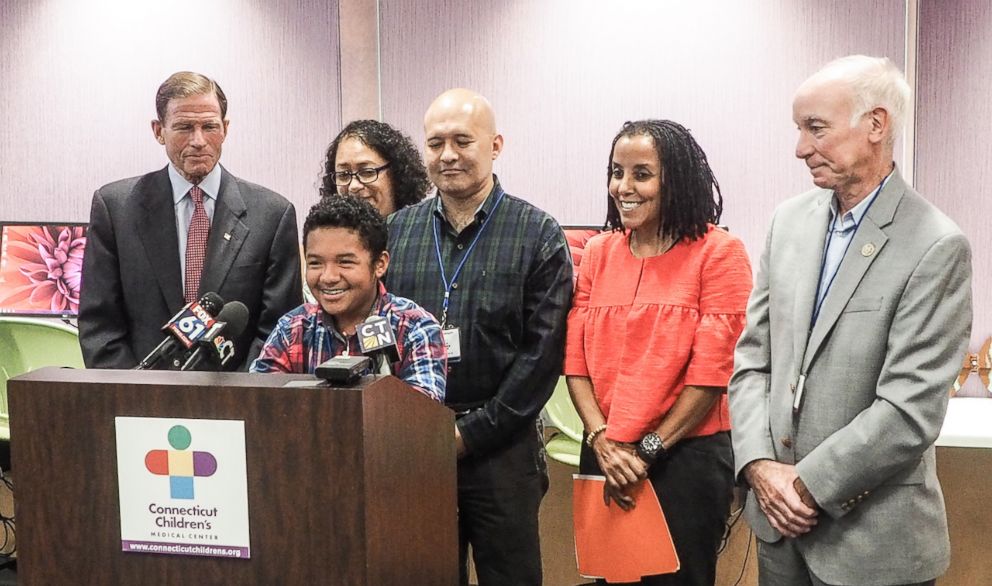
[[180, 464]]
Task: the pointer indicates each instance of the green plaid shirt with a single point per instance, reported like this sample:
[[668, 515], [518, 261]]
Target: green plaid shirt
[[509, 302]]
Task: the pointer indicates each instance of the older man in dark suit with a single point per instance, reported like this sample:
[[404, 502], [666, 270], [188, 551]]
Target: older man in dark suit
[[158, 241]]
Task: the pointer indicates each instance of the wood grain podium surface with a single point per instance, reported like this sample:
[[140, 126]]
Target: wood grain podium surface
[[345, 485]]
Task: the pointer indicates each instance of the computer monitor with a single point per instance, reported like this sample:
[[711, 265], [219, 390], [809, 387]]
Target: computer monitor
[[40, 268]]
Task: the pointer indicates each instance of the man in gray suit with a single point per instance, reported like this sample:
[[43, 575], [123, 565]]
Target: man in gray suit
[[158, 241], [855, 328]]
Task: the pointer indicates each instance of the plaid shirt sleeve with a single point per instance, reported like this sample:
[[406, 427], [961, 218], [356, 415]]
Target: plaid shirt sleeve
[[283, 350], [424, 363]]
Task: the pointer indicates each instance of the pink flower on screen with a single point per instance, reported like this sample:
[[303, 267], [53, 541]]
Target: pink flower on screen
[[50, 261]]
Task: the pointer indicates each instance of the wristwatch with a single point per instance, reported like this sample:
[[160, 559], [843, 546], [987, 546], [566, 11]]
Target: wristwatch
[[651, 449]]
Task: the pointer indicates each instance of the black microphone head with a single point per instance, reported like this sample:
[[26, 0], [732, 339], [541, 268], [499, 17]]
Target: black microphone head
[[235, 314], [212, 303]]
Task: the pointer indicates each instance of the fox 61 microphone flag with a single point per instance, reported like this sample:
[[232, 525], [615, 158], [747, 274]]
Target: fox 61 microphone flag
[[190, 324]]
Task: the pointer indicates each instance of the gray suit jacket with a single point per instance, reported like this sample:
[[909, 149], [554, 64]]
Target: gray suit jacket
[[878, 362], [131, 282]]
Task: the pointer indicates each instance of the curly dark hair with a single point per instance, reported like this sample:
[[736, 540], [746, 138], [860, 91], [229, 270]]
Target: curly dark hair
[[352, 213], [688, 184], [410, 183]]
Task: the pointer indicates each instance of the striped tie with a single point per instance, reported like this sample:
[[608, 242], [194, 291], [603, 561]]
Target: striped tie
[[196, 245]]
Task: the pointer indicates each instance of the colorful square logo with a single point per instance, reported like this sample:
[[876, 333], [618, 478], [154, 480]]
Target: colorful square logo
[[180, 464]]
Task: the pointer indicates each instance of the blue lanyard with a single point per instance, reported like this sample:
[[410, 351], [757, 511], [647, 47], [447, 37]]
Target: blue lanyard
[[449, 285], [826, 250]]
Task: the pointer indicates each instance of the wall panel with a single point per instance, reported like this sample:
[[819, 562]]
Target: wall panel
[[954, 117], [563, 76], [78, 81]]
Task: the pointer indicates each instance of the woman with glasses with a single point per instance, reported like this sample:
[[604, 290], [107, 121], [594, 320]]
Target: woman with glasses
[[659, 305], [373, 161]]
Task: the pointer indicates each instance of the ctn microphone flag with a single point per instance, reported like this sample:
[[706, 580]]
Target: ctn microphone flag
[[377, 340], [183, 330]]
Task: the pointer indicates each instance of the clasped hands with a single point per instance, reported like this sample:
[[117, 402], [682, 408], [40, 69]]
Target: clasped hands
[[783, 497], [622, 467]]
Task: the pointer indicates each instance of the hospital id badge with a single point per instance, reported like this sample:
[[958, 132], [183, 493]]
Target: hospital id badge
[[452, 341]]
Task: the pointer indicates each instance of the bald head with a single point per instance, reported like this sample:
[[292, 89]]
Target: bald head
[[461, 144], [462, 102]]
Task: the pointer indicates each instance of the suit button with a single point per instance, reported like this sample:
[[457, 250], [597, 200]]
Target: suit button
[[787, 442]]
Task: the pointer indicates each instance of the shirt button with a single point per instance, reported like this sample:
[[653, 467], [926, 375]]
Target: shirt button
[[461, 246], [454, 285], [787, 442]]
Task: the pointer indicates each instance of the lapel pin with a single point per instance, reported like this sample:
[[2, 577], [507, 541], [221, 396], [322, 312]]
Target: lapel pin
[[868, 249], [227, 236]]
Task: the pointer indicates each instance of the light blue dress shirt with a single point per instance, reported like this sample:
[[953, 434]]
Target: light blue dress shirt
[[840, 233]]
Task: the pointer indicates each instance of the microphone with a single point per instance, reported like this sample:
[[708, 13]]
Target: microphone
[[214, 347], [187, 326], [377, 340]]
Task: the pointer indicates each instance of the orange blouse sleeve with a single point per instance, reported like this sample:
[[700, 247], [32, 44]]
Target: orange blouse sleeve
[[726, 282]]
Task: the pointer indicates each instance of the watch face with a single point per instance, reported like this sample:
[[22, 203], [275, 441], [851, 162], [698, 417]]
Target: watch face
[[651, 443]]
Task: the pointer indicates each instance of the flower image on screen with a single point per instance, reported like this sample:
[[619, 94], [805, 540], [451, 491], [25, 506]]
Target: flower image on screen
[[40, 268]]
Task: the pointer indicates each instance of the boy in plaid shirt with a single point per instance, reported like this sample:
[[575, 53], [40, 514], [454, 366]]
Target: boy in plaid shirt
[[344, 241]]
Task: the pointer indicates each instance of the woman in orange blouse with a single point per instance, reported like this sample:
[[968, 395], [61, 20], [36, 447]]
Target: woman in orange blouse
[[658, 307]]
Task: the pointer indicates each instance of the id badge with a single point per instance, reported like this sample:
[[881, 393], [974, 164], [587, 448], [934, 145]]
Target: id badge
[[452, 341]]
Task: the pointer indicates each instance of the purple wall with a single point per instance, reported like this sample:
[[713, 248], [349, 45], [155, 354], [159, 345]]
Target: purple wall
[[953, 148], [78, 81], [563, 76]]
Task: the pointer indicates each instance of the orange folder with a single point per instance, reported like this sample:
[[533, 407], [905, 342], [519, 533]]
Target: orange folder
[[617, 545]]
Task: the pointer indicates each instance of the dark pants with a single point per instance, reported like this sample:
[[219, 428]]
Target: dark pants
[[499, 495], [695, 487]]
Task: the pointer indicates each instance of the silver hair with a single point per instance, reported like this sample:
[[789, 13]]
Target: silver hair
[[875, 82]]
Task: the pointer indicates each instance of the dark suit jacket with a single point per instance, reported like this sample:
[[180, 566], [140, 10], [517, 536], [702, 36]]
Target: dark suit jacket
[[131, 283]]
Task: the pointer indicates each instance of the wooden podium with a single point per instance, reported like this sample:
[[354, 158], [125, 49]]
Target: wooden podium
[[345, 485]]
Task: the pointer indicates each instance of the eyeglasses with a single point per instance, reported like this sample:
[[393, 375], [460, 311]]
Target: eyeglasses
[[365, 176]]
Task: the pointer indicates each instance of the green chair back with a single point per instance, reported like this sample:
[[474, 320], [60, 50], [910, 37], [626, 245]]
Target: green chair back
[[564, 449], [563, 446], [27, 344], [561, 412]]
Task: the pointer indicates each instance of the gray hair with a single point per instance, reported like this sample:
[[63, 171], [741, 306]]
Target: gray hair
[[875, 82]]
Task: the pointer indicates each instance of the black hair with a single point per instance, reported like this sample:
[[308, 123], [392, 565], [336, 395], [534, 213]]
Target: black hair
[[351, 213], [690, 193], [410, 182]]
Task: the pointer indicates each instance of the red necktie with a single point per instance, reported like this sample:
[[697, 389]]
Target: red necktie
[[196, 245]]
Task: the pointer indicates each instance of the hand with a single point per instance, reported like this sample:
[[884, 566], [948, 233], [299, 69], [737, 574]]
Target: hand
[[773, 485], [620, 464], [610, 492], [460, 448]]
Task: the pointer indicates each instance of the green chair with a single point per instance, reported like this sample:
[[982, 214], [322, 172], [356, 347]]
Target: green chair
[[564, 449], [27, 344], [565, 444]]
